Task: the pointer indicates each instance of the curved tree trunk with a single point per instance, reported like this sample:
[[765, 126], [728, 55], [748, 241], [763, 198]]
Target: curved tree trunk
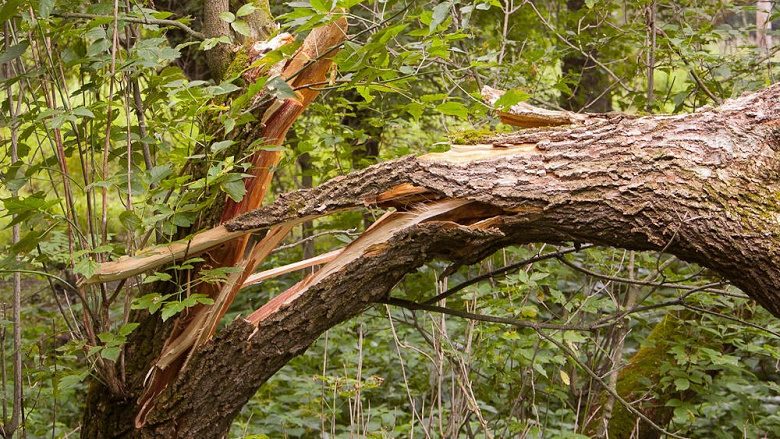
[[704, 187]]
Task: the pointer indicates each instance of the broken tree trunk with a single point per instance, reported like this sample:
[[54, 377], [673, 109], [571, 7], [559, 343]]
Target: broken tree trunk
[[310, 65], [111, 415], [704, 187]]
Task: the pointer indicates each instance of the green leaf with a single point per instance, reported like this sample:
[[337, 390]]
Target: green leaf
[[94, 350], [224, 87], [159, 172], [111, 353], [130, 220], [321, 5], [107, 337], [280, 88], [510, 98], [205, 300], [14, 52], [125, 330], [86, 267], [209, 43], [415, 109], [45, 7], [682, 384], [219, 146], [241, 27], [453, 109], [227, 16], [33, 202], [365, 92], [246, 10], [234, 188], [71, 381], [347, 4], [99, 46], [83, 112], [170, 309], [440, 13], [433, 97], [229, 124], [540, 369], [9, 9], [529, 311], [150, 302]]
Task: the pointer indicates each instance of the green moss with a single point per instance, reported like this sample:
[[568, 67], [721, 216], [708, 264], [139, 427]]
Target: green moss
[[469, 137], [641, 372], [640, 379], [477, 135], [239, 64]]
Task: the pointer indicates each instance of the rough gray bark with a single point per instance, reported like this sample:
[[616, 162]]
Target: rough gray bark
[[705, 187], [220, 56], [702, 186]]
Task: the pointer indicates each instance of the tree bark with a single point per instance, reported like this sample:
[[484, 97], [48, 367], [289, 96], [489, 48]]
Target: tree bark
[[704, 187]]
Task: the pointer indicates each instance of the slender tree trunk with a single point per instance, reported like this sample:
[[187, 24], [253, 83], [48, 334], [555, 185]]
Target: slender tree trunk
[[763, 25], [589, 84]]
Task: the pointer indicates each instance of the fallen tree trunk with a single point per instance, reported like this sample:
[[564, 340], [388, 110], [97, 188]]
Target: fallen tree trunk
[[704, 187]]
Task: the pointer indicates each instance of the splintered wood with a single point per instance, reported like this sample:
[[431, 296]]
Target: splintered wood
[[154, 257], [379, 232], [310, 65]]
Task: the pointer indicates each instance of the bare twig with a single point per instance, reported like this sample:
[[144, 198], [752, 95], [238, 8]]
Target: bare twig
[[646, 283], [348, 232], [691, 69], [140, 20], [485, 318], [502, 270], [585, 53]]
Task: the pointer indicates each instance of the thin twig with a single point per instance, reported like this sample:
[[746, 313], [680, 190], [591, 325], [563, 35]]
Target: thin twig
[[691, 69], [733, 319], [638, 281], [139, 20], [484, 318], [551, 28], [349, 232], [505, 269]]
